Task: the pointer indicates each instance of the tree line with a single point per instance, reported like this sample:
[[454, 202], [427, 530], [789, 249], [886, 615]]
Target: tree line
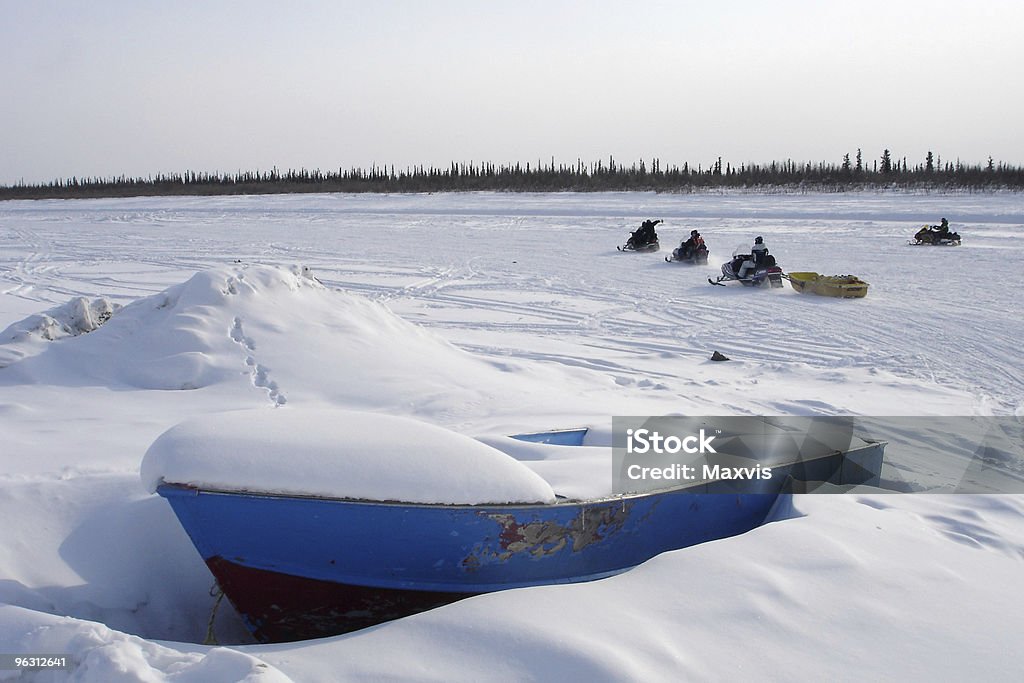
[[886, 171]]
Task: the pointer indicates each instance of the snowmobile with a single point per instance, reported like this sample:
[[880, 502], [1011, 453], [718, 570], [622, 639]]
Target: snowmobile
[[934, 235], [698, 257], [647, 246], [644, 238], [767, 272]]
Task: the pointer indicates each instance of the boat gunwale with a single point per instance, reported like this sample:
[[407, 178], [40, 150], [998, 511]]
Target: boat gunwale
[[185, 489]]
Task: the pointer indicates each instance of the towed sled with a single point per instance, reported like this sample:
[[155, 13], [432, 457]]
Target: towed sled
[[698, 257], [837, 286], [931, 235], [765, 273]]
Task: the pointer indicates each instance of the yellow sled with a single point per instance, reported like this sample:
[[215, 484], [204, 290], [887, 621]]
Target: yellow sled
[[839, 286]]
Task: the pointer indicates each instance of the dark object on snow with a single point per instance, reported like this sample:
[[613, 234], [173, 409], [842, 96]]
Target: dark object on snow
[[718, 356], [693, 250], [644, 238], [937, 235]]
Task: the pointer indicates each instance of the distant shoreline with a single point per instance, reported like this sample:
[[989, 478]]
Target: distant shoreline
[[32, 194], [785, 177]]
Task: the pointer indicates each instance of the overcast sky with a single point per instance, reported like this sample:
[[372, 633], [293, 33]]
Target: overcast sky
[[105, 87]]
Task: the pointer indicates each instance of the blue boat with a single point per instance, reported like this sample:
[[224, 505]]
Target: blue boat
[[298, 567]]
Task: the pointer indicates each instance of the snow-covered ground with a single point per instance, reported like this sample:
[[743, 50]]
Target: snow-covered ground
[[126, 317]]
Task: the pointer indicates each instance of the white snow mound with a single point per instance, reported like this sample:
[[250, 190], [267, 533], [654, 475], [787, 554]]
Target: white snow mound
[[338, 454], [78, 316], [93, 652], [277, 328]]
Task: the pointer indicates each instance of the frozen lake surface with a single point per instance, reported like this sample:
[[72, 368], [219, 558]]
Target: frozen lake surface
[[524, 317]]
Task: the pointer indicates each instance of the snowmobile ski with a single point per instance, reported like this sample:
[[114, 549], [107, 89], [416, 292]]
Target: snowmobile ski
[[652, 246]]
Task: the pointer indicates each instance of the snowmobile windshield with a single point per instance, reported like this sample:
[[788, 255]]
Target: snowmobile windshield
[[741, 250]]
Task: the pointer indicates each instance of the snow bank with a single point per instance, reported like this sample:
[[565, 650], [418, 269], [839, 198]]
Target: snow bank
[[78, 316], [850, 587], [180, 338], [275, 333], [97, 653], [340, 454]]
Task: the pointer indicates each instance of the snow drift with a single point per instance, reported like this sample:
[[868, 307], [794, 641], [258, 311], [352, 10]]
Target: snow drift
[[77, 316], [261, 324]]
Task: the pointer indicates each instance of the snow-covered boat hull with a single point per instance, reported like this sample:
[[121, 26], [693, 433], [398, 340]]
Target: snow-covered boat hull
[[302, 567], [299, 568]]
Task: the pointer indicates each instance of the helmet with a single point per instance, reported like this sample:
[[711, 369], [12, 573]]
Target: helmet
[[694, 232], [758, 240]]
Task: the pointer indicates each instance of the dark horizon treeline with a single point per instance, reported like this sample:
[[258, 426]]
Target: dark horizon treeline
[[932, 173]]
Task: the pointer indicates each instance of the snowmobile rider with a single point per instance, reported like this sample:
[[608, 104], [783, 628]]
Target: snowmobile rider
[[692, 245], [757, 257], [938, 231], [645, 234]]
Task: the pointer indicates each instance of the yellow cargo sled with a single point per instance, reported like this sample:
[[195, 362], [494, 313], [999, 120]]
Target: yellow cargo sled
[[839, 286]]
